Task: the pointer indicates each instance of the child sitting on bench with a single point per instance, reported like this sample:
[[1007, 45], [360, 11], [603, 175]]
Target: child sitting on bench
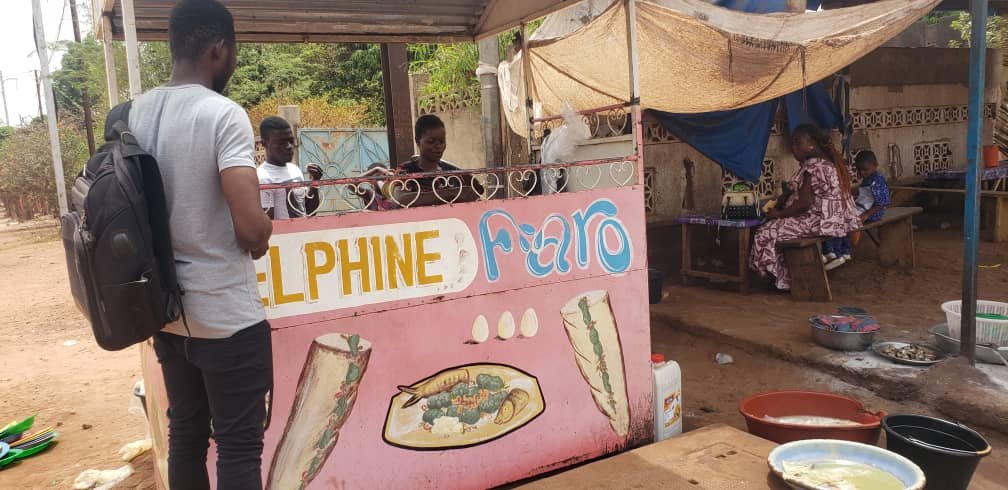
[[871, 200]]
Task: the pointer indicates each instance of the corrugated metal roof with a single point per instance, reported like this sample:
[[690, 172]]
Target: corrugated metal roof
[[348, 20]]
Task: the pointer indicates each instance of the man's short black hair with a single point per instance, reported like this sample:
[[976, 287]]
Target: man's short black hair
[[271, 124], [195, 25], [426, 123], [863, 157]]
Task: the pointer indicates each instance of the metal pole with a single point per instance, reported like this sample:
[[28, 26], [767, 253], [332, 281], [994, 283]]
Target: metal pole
[[132, 51], [85, 98], [54, 142], [971, 224], [489, 54], [633, 60], [3, 92], [527, 75], [110, 68]]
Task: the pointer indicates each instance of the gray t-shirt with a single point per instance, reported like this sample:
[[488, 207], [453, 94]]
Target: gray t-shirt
[[196, 133]]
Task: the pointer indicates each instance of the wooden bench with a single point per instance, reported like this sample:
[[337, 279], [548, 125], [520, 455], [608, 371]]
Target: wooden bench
[[893, 234], [993, 209]]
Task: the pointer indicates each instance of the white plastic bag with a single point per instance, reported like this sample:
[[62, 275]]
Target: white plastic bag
[[561, 145], [102, 479]]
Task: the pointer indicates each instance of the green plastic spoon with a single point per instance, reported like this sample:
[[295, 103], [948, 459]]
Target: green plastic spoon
[[19, 454]]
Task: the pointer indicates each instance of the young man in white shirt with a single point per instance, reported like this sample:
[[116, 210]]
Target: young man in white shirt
[[218, 365], [278, 140]]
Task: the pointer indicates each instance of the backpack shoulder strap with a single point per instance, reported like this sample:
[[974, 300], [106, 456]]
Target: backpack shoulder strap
[[117, 121]]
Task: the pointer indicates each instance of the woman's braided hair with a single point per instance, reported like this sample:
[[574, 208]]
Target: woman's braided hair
[[822, 141]]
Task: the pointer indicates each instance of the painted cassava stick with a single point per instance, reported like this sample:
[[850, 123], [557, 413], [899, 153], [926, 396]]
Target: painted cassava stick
[[325, 396]]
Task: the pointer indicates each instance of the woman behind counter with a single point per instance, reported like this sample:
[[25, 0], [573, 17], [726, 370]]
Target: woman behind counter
[[819, 206], [429, 133]]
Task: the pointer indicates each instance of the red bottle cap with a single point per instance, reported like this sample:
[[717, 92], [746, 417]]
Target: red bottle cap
[[657, 358]]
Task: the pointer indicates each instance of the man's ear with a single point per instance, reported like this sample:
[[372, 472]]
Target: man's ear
[[218, 51]]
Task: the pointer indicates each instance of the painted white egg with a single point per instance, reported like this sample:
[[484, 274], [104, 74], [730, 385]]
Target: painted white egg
[[529, 325], [506, 326], [480, 330]]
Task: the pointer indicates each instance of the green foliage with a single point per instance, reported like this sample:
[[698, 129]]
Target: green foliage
[[155, 64], [997, 31], [27, 186], [452, 67]]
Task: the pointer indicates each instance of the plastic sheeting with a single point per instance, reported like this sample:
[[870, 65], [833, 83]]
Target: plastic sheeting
[[697, 57], [737, 139]]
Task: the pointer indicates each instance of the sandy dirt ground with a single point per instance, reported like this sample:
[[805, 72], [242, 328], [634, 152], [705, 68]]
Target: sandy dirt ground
[[86, 391], [81, 390]]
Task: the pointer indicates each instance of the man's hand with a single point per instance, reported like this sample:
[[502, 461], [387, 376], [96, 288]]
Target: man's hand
[[259, 252]]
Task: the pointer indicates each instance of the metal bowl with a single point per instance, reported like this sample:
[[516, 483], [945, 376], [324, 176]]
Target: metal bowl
[[984, 352], [939, 357], [847, 341]]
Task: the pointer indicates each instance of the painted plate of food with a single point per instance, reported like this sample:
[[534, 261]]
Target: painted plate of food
[[462, 406]]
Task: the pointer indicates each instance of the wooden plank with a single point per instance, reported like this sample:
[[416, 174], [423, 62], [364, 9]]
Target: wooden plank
[[713, 457], [744, 237], [994, 215], [799, 243], [893, 214], [714, 275], [808, 275], [908, 188], [896, 244], [687, 260], [398, 111]]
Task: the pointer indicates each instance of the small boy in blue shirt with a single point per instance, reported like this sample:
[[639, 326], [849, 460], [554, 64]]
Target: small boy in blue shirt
[[871, 200]]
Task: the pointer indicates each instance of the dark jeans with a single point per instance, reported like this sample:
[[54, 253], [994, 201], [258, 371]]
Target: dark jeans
[[225, 381], [838, 245]]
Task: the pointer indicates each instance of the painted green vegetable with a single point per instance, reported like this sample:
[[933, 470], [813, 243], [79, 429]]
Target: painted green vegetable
[[593, 336], [430, 415], [470, 416], [440, 400]]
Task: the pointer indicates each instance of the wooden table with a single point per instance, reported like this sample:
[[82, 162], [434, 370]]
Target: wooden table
[[716, 457], [993, 178], [743, 230], [993, 208]]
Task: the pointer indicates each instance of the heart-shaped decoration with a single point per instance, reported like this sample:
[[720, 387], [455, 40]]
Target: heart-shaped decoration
[[616, 119], [474, 183], [444, 182], [618, 169], [408, 185], [523, 176], [552, 176], [359, 192], [489, 186], [583, 175]]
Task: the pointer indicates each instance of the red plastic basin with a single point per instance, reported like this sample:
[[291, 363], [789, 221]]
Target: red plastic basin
[[785, 403]]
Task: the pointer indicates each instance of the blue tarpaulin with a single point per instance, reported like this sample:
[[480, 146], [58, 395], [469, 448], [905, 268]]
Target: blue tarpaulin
[[814, 106], [737, 139]]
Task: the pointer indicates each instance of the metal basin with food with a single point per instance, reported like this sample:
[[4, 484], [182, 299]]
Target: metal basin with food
[[837, 340], [989, 353], [801, 463], [785, 416], [911, 354]]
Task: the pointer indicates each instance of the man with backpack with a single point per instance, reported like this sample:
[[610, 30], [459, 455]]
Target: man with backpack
[[217, 365]]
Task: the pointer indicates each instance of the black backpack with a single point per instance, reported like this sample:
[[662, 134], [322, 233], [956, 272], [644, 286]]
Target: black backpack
[[118, 246]]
